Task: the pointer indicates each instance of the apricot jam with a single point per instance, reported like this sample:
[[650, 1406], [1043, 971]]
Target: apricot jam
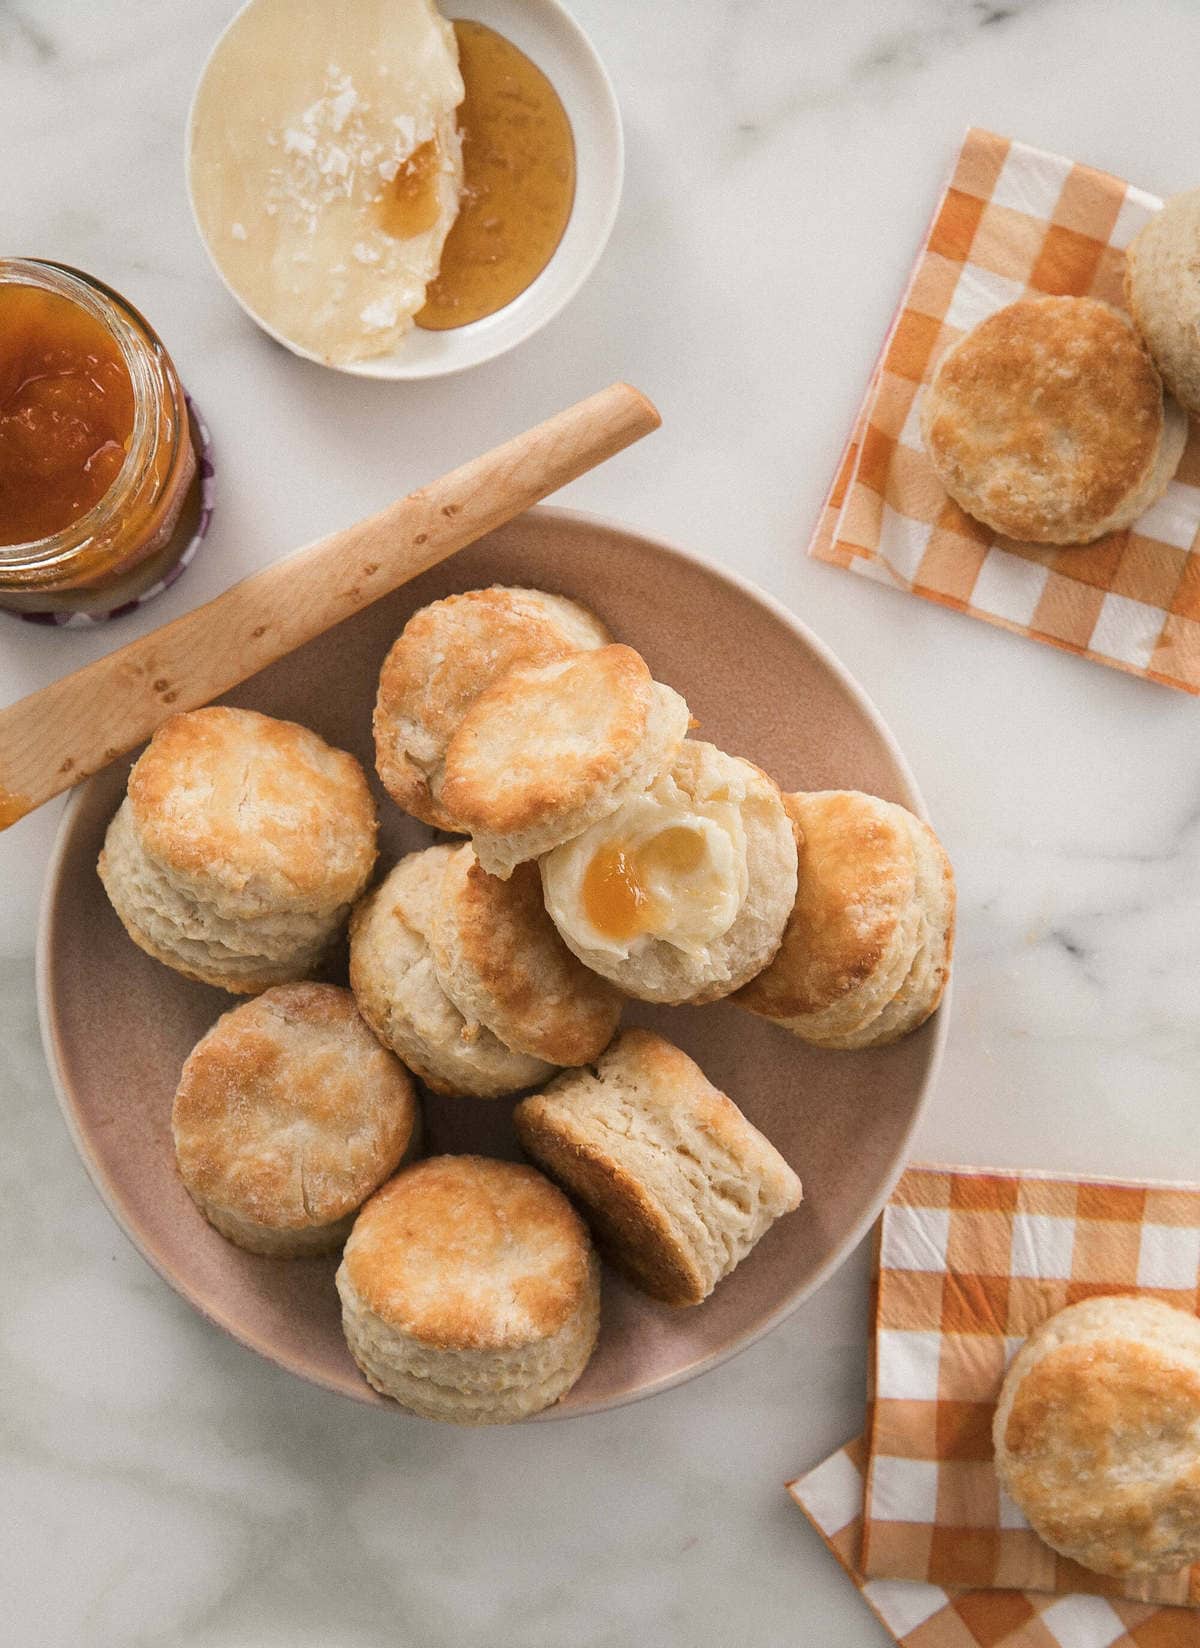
[[518, 182], [66, 412], [96, 454], [616, 899]]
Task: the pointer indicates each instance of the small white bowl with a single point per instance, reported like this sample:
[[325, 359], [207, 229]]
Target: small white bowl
[[546, 32]]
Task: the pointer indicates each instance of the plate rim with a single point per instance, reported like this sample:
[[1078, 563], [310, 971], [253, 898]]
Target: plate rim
[[692, 1370]]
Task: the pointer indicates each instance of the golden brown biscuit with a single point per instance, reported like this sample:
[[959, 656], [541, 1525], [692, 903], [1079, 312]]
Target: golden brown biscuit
[[1047, 422], [1097, 1434], [401, 993], [288, 1115], [547, 751], [683, 893], [470, 1292], [866, 952], [239, 847], [1163, 293], [447, 654], [500, 960], [678, 1185]]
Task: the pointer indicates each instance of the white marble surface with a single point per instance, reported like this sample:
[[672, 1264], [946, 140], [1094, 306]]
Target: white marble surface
[[161, 1485]]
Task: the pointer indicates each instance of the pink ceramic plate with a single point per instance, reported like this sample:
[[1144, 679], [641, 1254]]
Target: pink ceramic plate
[[117, 1026]]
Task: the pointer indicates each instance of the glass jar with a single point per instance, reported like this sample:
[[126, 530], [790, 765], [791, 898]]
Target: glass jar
[[128, 539]]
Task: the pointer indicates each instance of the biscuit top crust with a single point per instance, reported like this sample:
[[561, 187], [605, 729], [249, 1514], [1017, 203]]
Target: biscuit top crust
[[264, 811], [1101, 1446], [1045, 417], [496, 938], [857, 876], [545, 741], [447, 654], [289, 1111], [467, 1254]]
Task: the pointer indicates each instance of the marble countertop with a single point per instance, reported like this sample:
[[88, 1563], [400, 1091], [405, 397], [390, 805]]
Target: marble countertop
[[161, 1485]]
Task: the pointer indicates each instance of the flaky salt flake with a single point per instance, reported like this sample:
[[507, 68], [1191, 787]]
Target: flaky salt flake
[[377, 316]]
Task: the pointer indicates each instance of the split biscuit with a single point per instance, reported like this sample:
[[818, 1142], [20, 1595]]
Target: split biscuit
[[447, 654], [547, 751], [401, 994], [470, 1291], [288, 1115], [503, 965], [1163, 294], [866, 952], [684, 892], [676, 1182], [239, 848], [1047, 422], [1097, 1434]]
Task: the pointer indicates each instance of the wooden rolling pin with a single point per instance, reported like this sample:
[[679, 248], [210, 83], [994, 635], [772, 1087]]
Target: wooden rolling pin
[[59, 736]]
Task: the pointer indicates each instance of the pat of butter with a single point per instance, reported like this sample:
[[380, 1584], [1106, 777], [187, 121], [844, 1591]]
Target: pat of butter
[[666, 866]]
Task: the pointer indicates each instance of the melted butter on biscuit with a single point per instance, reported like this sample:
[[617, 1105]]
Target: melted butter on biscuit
[[666, 866]]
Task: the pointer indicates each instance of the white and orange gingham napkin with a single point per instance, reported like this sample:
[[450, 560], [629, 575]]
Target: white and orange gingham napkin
[[969, 1263], [1014, 220]]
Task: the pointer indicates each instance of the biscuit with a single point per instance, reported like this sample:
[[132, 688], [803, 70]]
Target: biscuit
[[288, 1115], [684, 893], [503, 965], [676, 1182], [399, 990], [547, 751], [239, 848], [866, 952], [470, 1292], [1161, 291], [447, 654], [1097, 1434], [1047, 423]]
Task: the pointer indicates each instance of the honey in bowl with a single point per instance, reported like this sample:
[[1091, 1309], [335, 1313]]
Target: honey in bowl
[[66, 412], [518, 182]]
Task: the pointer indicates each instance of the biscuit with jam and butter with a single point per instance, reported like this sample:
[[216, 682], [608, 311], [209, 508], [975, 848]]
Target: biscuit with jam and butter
[[683, 893]]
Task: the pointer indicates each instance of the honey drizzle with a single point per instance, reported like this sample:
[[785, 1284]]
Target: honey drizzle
[[518, 182]]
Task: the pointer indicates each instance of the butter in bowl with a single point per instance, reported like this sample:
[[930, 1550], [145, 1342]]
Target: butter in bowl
[[396, 193]]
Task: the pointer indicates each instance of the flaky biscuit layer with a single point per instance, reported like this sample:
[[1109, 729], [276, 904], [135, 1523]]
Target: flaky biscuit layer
[[447, 654], [545, 752], [677, 1183], [470, 1291]]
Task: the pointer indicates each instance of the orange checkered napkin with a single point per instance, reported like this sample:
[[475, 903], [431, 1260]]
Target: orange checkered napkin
[[929, 1616], [1015, 220], [970, 1264]]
